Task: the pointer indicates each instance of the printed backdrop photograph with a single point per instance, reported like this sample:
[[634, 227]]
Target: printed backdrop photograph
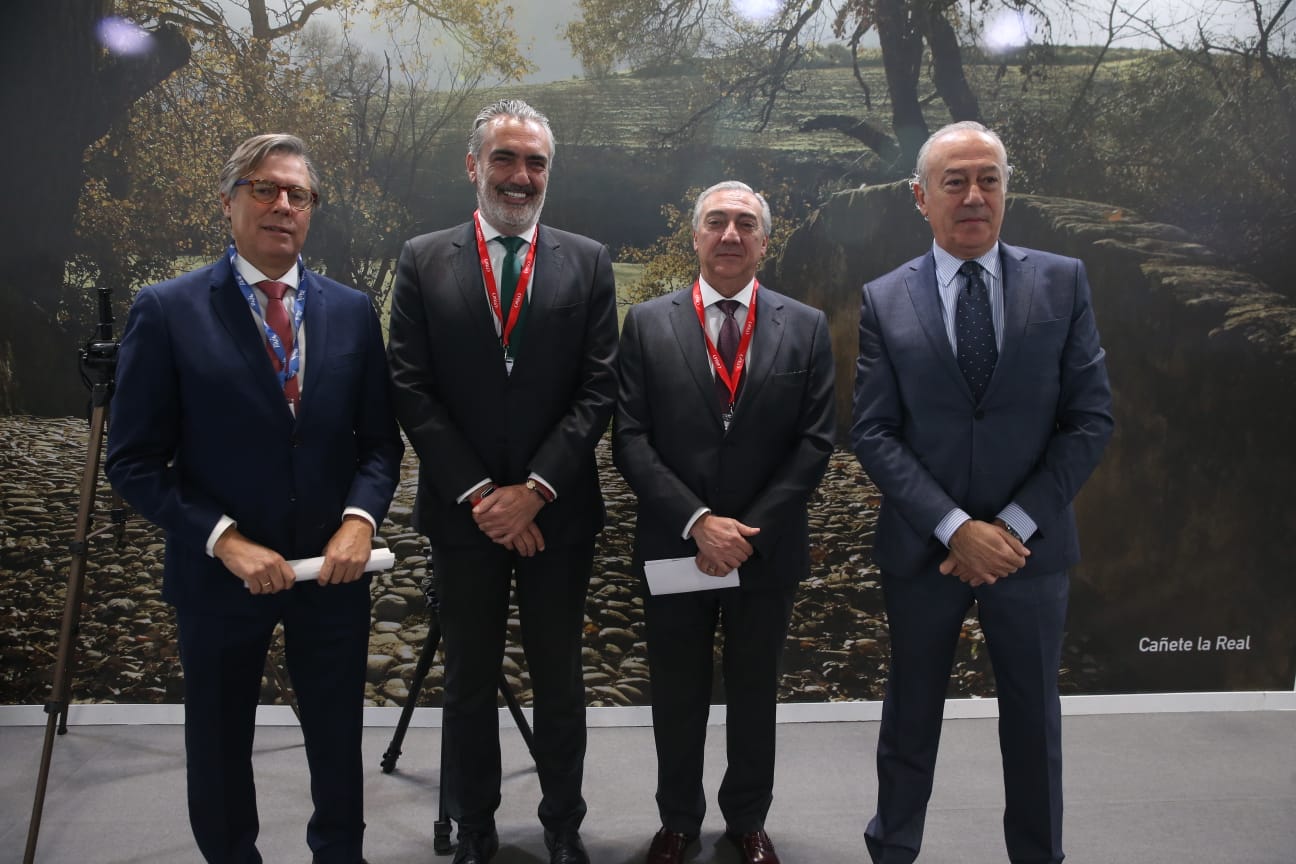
[[1153, 140]]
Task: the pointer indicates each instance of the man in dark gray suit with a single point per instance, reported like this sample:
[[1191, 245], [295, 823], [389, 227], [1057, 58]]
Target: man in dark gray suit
[[724, 424], [981, 407], [503, 339]]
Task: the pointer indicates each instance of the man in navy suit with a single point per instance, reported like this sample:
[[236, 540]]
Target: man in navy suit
[[723, 453], [981, 407], [503, 337], [252, 421]]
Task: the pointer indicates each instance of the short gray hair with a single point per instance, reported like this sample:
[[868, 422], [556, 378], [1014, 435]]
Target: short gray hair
[[767, 221], [252, 152], [514, 108], [920, 170]]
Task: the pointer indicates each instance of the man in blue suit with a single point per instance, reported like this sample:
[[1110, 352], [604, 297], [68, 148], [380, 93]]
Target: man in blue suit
[[981, 407], [253, 423]]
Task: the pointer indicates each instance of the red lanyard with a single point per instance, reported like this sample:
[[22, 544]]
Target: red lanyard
[[740, 359], [492, 292]]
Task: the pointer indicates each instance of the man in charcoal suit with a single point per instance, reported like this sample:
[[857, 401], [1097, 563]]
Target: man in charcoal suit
[[503, 338], [724, 425], [981, 407], [253, 423]]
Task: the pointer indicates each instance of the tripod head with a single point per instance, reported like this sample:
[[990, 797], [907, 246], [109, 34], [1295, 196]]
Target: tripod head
[[98, 356]]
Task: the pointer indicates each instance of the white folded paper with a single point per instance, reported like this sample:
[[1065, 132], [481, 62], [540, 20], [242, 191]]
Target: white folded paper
[[679, 575], [307, 569]]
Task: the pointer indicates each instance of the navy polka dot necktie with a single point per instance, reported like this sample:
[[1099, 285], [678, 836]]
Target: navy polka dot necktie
[[974, 329]]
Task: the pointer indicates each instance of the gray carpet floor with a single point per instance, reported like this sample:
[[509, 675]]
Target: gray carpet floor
[[1151, 788]]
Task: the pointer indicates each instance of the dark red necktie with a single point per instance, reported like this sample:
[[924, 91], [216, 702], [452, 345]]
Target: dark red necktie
[[276, 315], [727, 345]]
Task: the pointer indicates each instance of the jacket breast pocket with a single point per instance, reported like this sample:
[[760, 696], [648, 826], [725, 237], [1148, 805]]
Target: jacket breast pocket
[[1042, 347], [339, 371]]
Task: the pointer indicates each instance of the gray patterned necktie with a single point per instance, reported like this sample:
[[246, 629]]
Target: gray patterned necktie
[[974, 330]]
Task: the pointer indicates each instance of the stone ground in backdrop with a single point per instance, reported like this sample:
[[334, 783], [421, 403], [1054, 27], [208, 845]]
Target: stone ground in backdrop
[[836, 649]]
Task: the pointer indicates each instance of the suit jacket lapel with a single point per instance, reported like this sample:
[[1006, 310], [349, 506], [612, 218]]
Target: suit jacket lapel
[[481, 342], [1019, 277], [546, 283], [315, 331], [925, 297], [692, 342], [766, 341], [232, 311], [471, 286]]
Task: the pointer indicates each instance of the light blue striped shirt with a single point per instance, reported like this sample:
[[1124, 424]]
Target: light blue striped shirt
[[949, 282]]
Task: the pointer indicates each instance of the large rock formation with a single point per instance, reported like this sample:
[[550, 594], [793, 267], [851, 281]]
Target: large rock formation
[[1187, 523]]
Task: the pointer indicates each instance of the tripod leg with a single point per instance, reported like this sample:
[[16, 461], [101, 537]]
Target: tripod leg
[[441, 828], [281, 683], [60, 693], [518, 717], [430, 644], [441, 843]]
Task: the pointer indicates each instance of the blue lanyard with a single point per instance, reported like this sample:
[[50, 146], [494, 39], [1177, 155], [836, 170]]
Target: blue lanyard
[[287, 365]]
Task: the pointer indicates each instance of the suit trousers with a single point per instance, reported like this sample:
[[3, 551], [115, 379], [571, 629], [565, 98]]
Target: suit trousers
[[473, 589], [1022, 618], [681, 656], [326, 638]]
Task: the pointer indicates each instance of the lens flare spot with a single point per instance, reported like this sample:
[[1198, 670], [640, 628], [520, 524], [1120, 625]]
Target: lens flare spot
[[120, 36], [1008, 30], [757, 10]]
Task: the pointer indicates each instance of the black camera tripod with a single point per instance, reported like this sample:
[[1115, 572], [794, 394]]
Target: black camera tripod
[[441, 828], [98, 366], [98, 370]]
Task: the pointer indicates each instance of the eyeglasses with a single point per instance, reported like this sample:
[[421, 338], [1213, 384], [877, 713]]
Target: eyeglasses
[[267, 192]]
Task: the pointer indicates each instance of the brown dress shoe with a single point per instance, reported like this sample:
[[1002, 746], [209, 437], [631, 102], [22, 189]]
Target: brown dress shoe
[[668, 847], [755, 847]]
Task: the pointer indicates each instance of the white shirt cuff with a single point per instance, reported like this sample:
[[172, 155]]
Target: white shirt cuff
[[485, 481], [356, 511], [552, 491], [697, 514], [221, 525]]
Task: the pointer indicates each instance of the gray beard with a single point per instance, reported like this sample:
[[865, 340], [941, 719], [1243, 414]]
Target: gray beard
[[504, 217]]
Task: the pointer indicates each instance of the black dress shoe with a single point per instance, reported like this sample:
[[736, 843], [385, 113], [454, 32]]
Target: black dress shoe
[[315, 860], [668, 847], [565, 847], [755, 847], [476, 847]]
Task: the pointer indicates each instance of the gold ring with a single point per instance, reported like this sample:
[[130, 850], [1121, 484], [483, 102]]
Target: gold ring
[[265, 584]]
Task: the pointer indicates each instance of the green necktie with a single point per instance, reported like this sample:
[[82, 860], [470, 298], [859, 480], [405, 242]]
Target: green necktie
[[510, 270]]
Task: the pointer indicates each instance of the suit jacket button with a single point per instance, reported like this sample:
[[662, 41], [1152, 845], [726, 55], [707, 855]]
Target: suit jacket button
[[295, 441], [978, 415]]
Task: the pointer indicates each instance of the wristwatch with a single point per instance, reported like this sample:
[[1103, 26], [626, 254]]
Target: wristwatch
[[545, 495], [1011, 530]]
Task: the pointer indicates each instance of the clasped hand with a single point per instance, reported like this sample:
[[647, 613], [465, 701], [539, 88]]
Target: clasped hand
[[507, 516], [982, 553], [722, 543]]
